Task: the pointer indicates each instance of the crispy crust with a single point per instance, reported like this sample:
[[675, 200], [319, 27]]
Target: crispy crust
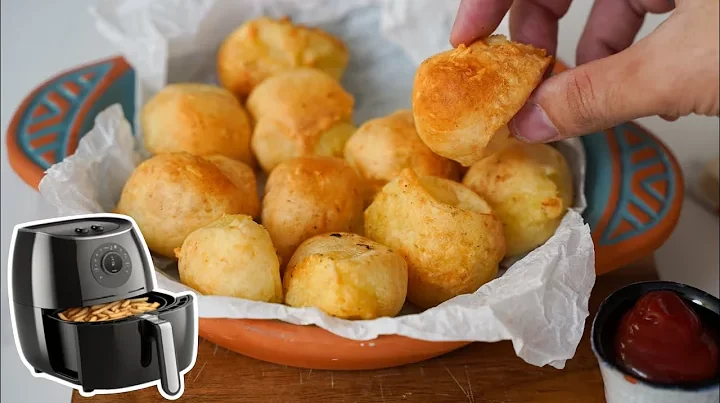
[[244, 179], [308, 196], [293, 111], [449, 236], [530, 188], [381, 148], [305, 101], [463, 96], [171, 195], [263, 47], [232, 256], [347, 276], [199, 119]]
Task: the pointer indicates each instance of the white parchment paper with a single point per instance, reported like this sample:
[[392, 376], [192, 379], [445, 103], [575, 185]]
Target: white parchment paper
[[539, 303]]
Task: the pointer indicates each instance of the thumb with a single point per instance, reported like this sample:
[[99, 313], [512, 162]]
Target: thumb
[[592, 97]]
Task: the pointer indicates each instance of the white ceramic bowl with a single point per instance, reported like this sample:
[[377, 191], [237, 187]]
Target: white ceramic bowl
[[621, 386]]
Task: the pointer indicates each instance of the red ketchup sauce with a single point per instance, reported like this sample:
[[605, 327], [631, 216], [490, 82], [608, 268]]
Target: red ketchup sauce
[[663, 340]]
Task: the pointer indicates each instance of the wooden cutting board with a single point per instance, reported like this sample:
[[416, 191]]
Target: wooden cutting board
[[481, 372]]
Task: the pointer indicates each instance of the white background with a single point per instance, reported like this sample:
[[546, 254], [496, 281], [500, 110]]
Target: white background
[[41, 38]]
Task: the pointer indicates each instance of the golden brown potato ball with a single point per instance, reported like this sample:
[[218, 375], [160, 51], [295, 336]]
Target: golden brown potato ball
[[308, 196], [244, 179], [171, 195], [233, 257], [199, 119], [529, 186], [381, 148], [347, 276], [297, 113], [263, 47], [463, 98], [449, 236]]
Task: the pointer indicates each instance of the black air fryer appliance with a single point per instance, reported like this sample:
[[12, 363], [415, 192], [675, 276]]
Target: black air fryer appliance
[[85, 262]]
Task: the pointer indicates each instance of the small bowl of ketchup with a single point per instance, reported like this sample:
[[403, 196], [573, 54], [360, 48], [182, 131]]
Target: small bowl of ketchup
[[658, 342]]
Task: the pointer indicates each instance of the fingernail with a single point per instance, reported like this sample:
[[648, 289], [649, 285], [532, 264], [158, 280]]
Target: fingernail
[[531, 124]]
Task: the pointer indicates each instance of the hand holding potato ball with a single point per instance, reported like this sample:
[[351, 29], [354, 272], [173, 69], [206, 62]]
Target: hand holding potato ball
[[263, 47], [199, 119], [529, 186], [309, 196], [464, 98], [232, 256], [347, 276], [449, 236], [381, 148], [171, 195], [299, 112]]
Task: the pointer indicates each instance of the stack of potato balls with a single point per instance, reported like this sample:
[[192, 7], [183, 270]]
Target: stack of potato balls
[[419, 205]]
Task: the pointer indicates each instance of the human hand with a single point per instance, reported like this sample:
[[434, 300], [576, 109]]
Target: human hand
[[672, 72]]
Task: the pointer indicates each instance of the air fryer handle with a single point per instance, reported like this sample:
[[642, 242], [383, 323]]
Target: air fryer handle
[[161, 331]]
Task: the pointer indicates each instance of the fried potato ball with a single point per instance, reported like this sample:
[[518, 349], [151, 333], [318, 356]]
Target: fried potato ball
[[263, 47], [347, 276], [233, 257], [464, 98], [529, 186], [381, 148], [171, 195], [297, 113], [448, 235], [309, 196], [199, 119], [244, 179]]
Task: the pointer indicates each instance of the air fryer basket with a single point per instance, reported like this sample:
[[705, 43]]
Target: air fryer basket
[[128, 351], [162, 299]]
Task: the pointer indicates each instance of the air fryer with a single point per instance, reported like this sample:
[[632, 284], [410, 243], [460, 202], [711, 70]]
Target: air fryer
[[84, 262]]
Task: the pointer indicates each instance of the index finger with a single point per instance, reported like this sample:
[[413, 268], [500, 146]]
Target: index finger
[[535, 22], [477, 19]]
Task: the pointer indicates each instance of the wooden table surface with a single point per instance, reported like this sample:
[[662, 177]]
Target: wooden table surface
[[480, 372]]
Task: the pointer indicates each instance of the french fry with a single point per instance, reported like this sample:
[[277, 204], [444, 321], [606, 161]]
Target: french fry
[[109, 311], [119, 315], [82, 313], [105, 307], [143, 299]]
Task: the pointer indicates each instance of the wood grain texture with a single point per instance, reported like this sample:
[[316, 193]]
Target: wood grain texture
[[481, 372]]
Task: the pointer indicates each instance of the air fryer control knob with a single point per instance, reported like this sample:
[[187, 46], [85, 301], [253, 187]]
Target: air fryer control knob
[[112, 262], [111, 265]]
